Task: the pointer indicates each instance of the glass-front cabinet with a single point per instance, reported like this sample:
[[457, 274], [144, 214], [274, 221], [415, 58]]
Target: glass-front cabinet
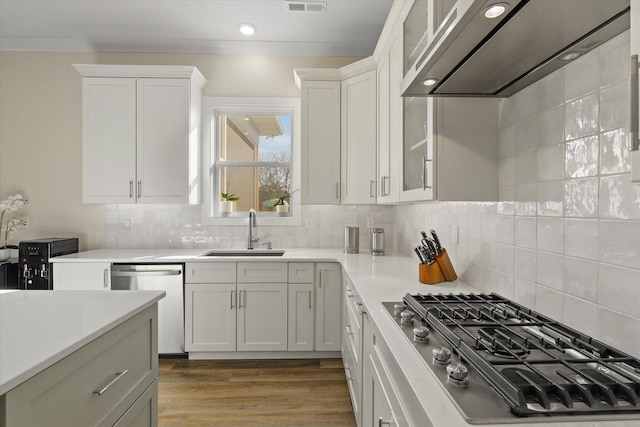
[[418, 152], [415, 31]]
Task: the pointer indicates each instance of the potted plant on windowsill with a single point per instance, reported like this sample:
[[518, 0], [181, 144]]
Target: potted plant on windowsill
[[281, 203], [228, 203]]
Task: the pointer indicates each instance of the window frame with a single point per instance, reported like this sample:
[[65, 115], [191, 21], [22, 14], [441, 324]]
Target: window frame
[[211, 106]]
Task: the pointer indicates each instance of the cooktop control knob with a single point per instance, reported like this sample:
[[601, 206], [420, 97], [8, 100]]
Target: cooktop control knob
[[421, 334], [406, 317], [458, 375], [398, 308], [441, 356]]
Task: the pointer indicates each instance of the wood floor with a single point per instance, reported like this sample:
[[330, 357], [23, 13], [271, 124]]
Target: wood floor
[[308, 392]]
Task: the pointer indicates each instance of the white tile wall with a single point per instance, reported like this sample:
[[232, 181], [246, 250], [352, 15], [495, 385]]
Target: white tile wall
[[567, 239], [170, 226]]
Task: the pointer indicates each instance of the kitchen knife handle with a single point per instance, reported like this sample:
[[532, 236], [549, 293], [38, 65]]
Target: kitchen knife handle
[[634, 138]]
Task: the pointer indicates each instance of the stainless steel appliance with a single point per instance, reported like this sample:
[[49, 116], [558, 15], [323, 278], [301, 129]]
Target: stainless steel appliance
[[501, 362], [158, 277], [36, 272], [473, 53]]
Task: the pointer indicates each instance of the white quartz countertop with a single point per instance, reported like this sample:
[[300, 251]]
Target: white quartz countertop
[[39, 328], [376, 279]]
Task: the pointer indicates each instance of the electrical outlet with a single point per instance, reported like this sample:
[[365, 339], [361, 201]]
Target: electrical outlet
[[370, 223], [25, 221], [455, 234], [310, 222]]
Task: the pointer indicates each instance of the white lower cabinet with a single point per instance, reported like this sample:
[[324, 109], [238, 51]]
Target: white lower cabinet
[[262, 311], [328, 297], [210, 314], [376, 404], [300, 335], [110, 381], [83, 276], [352, 316], [262, 317]]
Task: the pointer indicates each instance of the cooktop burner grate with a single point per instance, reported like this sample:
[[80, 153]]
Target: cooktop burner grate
[[539, 366]]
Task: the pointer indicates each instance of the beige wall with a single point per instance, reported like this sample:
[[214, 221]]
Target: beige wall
[[41, 125]]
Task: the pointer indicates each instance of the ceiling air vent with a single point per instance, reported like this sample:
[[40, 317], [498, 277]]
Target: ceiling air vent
[[305, 6]]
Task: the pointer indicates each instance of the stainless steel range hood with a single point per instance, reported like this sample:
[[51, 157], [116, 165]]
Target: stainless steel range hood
[[471, 55]]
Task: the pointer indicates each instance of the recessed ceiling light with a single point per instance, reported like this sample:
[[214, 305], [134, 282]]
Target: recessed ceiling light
[[570, 56], [495, 10], [430, 82], [247, 29]]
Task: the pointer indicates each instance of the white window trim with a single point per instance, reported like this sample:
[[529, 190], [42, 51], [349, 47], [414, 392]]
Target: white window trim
[[209, 105]]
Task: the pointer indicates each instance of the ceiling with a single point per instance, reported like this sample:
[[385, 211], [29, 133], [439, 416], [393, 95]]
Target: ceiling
[[345, 28]]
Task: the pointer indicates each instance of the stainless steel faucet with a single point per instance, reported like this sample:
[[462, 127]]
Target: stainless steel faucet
[[252, 225]]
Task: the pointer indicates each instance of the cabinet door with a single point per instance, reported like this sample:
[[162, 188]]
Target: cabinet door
[[328, 299], [163, 140], [376, 407], [85, 276], [262, 317], [418, 150], [210, 317], [389, 123], [320, 142], [300, 317], [359, 138], [108, 140]]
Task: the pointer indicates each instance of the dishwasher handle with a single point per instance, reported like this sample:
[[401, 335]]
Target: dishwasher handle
[[137, 273]]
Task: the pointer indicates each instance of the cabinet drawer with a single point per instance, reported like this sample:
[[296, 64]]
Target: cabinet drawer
[[262, 272], [120, 365], [300, 272], [210, 272]]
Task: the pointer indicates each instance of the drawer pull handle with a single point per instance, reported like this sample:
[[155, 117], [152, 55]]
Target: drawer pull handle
[[347, 329], [360, 308], [382, 422], [113, 381], [309, 300]]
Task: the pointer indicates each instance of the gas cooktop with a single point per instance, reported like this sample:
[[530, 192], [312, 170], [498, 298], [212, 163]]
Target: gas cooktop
[[502, 362]]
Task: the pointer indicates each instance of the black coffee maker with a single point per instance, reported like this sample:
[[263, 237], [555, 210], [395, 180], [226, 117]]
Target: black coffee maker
[[36, 272]]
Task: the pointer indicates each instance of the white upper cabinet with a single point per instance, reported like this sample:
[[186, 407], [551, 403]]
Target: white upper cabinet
[[389, 121], [141, 133], [359, 138], [320, 101], [339, 134]]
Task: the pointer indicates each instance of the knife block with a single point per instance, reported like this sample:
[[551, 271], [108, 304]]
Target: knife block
[[430, 274], [442, 259], [440, 271]]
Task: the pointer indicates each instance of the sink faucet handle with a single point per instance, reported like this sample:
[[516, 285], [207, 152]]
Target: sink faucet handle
[[267, 244]]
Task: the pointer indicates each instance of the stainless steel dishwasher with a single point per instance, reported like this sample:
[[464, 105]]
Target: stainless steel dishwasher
[[158, 277]]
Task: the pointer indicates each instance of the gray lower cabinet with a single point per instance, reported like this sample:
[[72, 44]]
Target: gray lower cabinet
[[110, 381]]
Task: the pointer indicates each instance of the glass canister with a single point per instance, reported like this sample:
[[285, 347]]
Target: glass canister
[[377, 241]]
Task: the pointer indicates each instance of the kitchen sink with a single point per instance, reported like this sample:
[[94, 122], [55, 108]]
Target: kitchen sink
[[244, 252]]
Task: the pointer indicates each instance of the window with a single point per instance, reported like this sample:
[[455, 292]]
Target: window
[[251, 159]]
